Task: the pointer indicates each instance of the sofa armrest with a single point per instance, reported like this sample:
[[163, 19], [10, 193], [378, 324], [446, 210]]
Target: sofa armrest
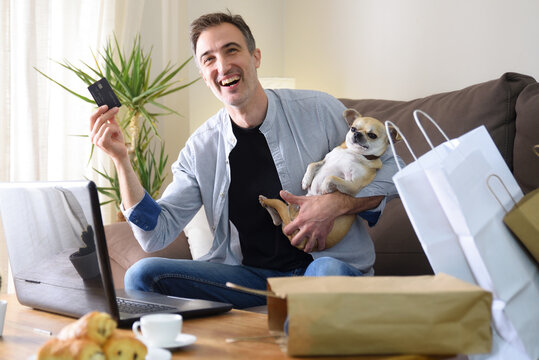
[[124, 250]]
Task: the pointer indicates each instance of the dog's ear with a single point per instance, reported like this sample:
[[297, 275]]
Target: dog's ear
[[350, 115], [394, 134]]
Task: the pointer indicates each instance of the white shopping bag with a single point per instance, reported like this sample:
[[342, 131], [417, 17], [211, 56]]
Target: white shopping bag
[[460, 226]]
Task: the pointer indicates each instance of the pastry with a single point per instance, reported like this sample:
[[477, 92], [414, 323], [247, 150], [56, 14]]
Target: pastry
[[96, 326], [73, 349], [124, 347]]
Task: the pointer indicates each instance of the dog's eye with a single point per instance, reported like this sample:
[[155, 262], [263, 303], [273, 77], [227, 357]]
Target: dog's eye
[[353, 129], [372, 135]]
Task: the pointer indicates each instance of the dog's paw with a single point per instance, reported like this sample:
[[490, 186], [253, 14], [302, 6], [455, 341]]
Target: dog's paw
[[262, 200], [306, 182], [328, 186]]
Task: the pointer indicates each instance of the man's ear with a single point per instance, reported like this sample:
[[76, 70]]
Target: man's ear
[[258, 57], [350, 115]]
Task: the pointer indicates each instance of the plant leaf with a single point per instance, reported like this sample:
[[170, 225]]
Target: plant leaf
[[170, 111], [65, 88], [180, 87]]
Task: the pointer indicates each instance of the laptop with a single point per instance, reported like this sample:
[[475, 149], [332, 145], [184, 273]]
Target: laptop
[[59, 258]]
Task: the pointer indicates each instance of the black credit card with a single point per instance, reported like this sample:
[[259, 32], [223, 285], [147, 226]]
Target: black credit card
[[103, 94]]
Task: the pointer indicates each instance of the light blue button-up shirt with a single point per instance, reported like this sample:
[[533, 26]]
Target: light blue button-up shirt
[[300, 127]]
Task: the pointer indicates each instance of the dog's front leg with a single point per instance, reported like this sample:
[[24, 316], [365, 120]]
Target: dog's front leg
[[277, 209], [312, 169]]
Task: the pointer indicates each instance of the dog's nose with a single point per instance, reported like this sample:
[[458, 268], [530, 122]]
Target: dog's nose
[[358, 136]]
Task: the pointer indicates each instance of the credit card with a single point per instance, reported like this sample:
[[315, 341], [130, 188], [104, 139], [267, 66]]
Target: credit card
[[103, 94]]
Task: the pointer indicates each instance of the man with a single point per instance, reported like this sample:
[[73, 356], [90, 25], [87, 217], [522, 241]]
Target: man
[[259, 143]]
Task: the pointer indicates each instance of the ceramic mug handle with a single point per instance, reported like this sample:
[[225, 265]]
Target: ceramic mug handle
[[136, 328]]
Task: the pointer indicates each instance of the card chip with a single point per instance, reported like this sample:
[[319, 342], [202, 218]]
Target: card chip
[[103, 94]]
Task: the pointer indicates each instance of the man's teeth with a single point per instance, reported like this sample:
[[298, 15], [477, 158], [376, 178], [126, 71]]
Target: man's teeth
[[230, 81]]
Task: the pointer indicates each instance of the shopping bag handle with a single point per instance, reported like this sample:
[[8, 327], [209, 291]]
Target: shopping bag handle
[[496, 196], [416, 117], [392, 144]]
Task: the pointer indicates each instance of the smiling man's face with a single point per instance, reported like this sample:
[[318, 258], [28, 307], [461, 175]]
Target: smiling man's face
[[226, 65]]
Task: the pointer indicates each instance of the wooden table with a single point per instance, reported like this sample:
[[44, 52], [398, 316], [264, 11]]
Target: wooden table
[[24, 333]]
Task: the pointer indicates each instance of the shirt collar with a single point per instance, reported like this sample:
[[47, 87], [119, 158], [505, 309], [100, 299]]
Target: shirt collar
[[226, 125], [270, 113], [264, 127]]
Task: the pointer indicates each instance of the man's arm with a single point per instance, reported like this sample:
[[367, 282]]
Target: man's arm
[[318, 212], [106, 134]]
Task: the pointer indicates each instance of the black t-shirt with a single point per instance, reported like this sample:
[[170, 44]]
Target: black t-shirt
[[253, 173]]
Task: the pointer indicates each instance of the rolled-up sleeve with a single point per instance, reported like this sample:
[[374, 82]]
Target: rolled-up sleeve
[[144, 214]]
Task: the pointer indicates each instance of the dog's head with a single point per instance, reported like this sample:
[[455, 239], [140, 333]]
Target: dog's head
[[367, 135]]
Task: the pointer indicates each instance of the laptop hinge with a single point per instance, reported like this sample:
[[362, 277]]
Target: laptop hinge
[[33, 281]]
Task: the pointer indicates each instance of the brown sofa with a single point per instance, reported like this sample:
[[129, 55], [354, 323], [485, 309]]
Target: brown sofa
[[508, 107]]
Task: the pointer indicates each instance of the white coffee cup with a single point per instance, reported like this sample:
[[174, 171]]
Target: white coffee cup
[[158, 329], [3, 308]]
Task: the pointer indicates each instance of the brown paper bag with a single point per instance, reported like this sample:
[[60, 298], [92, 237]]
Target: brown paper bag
[[436, 315], [523, 218]]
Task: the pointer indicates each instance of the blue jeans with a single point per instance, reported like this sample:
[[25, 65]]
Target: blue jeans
[[206, 280]]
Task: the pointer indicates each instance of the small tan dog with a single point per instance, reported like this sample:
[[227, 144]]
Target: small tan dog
[[348, 168]]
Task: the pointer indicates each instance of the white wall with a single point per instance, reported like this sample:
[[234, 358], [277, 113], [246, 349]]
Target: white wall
[[398, 49]]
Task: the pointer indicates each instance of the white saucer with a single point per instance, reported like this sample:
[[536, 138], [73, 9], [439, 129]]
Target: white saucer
[[158, 354], [180, 341]]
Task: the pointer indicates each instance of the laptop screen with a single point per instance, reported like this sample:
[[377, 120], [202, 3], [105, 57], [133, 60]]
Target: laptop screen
[[59, 258], [50, 233]]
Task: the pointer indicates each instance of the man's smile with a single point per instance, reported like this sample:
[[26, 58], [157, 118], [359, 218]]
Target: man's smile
[[230, 81]]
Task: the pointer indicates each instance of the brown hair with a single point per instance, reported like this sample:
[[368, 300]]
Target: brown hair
[[206, 21]]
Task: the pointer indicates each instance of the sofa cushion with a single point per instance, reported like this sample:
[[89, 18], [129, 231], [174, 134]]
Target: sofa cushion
[[526, 163], [125, 250], [199, 235]]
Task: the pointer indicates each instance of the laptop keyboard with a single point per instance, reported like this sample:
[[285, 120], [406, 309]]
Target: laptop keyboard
[[130, 306]]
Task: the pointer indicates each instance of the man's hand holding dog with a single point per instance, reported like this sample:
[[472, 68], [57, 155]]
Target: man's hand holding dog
[[318, 213], [315, 219]]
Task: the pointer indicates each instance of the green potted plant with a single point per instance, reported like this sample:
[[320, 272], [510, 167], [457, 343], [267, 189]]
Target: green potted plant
[[129, 76]]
